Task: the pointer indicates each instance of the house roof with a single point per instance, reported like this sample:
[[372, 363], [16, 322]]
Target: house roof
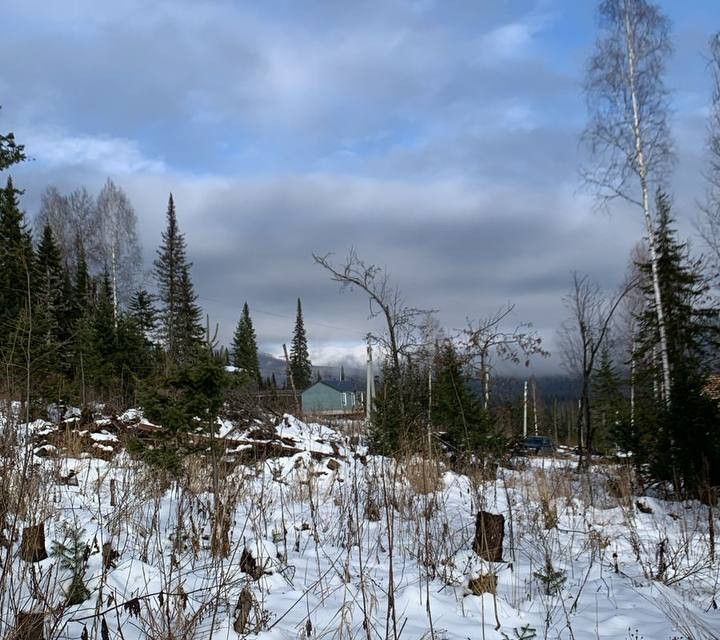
[[343, 386]]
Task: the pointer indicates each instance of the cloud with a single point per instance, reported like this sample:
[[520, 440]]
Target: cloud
[[105, 154], [439, 138]]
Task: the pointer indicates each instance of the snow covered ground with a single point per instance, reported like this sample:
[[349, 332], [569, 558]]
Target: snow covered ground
[[324, 541]]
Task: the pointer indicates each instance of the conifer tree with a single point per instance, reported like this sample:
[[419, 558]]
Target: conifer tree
[[142, 311], [682, 443], [81, 282], [456, 410], [244, 348], [181, 327], [50, 353], [609, 406], [190, 332], [300, 364], [10, 151], [16, 260]]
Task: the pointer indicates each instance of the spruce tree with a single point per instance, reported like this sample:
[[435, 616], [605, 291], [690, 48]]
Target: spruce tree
[[244, 347], [142, 311], [190, 333], [181, 326], [10, 151], [456, 410], [681, 444], [81, 283], [609, 406], [50, 351], [16, 260], [300, 364]]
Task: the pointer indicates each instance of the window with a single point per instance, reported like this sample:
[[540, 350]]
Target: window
[[344, 400]]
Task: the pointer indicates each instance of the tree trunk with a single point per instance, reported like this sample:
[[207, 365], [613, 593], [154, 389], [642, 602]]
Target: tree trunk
[[642, 170]]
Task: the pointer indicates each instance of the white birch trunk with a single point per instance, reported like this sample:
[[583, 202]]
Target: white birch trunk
[[642, 171]]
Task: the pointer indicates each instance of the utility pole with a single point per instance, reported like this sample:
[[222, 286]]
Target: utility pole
[[535, 407], [487, 389], [525, 410]]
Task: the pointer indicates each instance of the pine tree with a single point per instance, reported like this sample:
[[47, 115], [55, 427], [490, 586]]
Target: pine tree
[[681, 444], [300, 364], [181, 327], [244, 348]]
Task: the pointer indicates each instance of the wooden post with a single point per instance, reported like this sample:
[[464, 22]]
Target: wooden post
[[525, 410]]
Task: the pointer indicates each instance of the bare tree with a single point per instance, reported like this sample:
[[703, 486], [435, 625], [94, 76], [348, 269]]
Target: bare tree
[[385, 299], [490, 338], [709, 222], [118, 242], [582, 336], [628, 133], [55, 212], [73, 219]]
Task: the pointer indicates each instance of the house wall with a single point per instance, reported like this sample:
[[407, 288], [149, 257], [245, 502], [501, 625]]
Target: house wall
[[321, 397]]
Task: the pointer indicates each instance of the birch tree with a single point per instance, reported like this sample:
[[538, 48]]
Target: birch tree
[[118, 242], [709, 223], [628, 134]]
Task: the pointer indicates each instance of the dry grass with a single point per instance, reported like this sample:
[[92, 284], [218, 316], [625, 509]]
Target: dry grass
[[422, 474]]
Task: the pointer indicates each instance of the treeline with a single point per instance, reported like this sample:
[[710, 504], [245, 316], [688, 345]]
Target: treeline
[[76, 328]]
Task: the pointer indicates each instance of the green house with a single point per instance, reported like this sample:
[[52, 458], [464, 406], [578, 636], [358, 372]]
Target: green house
[[332, 397]]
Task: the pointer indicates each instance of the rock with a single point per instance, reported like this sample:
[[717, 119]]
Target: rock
[[489, 535], [333, 464]]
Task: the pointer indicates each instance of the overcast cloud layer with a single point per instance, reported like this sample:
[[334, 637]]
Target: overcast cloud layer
[[438, 138]]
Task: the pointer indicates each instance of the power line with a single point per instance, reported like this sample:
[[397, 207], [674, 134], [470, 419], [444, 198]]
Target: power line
[[278, 315]]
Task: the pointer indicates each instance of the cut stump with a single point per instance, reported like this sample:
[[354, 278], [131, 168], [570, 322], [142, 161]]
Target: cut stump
[[489, 535]]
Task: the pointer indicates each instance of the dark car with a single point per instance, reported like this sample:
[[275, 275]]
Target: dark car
[[535, 445]]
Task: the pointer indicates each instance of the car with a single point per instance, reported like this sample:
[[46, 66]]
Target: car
[[535, 445]]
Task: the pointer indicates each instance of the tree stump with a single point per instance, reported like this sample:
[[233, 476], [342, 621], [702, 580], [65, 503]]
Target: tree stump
[[484, 583], [242, 611], [32, 545], [29, 626], [489, 535]]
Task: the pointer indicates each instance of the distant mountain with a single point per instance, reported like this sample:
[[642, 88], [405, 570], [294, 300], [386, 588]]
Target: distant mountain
[[503, 388], [507, 388], [270, 365]]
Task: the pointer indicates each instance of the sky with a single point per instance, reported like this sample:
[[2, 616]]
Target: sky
[[440, 139]]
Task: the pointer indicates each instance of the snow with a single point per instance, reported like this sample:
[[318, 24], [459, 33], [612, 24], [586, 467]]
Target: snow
[[324, 564]]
